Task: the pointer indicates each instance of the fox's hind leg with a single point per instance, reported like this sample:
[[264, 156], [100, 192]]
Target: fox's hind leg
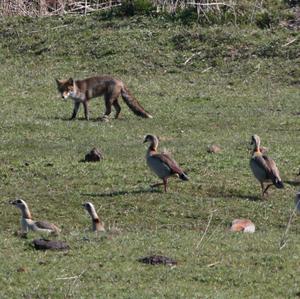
[[75, 110], [114, 100], [117, 108]]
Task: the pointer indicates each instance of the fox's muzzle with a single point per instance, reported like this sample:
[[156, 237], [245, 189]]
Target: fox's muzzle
[[65, 96]]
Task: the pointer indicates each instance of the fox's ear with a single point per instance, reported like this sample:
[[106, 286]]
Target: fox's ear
[[70, 81]]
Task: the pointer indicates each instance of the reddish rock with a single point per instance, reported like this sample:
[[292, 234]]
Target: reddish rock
[[242, 225]]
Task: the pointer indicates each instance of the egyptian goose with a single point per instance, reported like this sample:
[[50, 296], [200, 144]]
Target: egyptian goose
[[28, 224], [97, 224], [263, 167], [162, 164]]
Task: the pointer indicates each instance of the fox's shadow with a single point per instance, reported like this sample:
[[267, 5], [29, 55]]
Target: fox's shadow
[[92, 119], [75, 119]]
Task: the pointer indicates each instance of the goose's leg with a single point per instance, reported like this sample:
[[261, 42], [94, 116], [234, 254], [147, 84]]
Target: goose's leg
[[265, 192], [165, 182], [262, 189]]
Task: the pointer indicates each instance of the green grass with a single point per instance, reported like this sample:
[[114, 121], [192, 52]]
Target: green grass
[[243, 81]]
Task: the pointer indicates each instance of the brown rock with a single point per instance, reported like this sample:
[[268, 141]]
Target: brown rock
[[213, 149], [44, 244], [21, 269], [94, 155]]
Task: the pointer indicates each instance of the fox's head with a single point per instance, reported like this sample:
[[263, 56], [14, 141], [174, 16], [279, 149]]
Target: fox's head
[[65, 87]]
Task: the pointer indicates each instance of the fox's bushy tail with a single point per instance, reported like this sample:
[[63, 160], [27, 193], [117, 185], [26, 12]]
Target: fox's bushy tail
[[133, 104]]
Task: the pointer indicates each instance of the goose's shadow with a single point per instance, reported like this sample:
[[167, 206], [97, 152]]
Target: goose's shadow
[[232, 194], [293, 183], [122, 192], [242, 196]]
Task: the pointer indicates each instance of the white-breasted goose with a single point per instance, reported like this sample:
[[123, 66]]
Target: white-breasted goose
[[28, 224], [97, 224], [264, 168], [162, 164]]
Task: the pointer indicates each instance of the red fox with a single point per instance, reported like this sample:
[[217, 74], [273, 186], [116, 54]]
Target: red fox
[[81, 91]]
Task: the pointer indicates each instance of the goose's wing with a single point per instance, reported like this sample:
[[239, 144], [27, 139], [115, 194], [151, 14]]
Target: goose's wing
[[169, 162], [262, 162], [46, 225], [274, 172]]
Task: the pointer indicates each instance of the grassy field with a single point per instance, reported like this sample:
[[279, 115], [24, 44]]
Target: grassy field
[[203, 85]]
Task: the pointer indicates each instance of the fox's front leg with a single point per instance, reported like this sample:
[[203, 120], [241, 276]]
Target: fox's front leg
[[86, 110], [75, 110]]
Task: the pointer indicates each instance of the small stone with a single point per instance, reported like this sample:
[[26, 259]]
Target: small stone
[[213, 149], [21, 269]]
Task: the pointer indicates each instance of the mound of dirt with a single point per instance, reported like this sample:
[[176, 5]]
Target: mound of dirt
[[44, 244], [94, 155]]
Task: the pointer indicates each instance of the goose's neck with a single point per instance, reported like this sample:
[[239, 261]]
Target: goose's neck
[[97, 225], [153, 145], [26, 213], [256, 147], [93, 213]]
